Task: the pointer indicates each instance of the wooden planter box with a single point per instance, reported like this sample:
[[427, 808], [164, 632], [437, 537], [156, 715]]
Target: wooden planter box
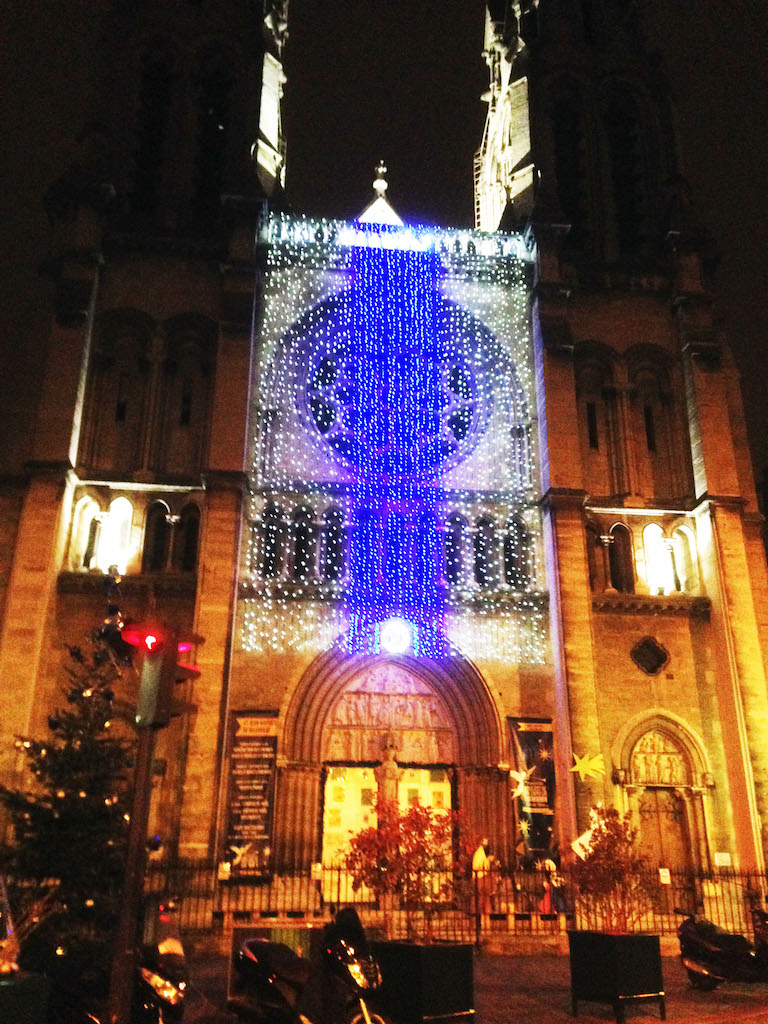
[[615, 969], [432, 982]]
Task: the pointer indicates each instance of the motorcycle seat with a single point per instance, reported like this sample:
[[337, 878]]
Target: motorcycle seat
[[296, 972], [243, 1006]]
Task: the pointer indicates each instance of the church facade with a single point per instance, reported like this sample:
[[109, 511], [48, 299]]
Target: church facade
[[472, 505]]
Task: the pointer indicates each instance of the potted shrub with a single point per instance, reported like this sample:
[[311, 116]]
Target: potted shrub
[[611, 962], [414, 865]]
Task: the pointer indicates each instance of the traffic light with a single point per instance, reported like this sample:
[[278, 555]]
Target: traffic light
[[159, 670]]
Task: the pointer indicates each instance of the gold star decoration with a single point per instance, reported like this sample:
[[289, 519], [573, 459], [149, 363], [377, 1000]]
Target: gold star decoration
[[525, 827], [589, 767], [239, 852], [521, 778]]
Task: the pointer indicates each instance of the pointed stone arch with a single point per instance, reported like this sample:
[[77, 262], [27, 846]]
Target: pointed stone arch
[[465, 704], [452, 721], [665, 721], [664, 773]]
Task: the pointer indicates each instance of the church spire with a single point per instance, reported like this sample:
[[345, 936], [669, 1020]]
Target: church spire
[[379, 211]]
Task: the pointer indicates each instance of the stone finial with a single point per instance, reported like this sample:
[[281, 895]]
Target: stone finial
[[380, 184]]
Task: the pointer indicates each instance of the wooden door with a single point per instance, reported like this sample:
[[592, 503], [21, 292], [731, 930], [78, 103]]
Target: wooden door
[[664, 836]]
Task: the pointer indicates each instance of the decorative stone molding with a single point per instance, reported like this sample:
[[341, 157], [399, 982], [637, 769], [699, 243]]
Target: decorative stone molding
[[164, 583], [651, 604]]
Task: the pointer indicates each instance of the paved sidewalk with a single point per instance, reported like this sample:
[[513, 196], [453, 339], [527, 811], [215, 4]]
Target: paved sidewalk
[[534, 990], [537, 990]]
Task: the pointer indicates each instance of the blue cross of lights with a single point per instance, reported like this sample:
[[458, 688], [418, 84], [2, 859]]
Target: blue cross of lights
[[396, 374], [448, 345]]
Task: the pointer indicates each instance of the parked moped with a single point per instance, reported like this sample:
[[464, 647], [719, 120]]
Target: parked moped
[[712, 955], [276, 986]]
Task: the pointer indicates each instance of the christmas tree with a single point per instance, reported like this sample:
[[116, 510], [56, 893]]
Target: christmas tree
[[69, 828]]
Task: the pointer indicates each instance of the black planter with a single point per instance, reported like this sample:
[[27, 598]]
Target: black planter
[[615, 969], [432, 982]]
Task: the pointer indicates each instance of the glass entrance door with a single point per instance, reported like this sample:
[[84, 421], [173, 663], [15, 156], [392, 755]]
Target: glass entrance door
[[350, 801]]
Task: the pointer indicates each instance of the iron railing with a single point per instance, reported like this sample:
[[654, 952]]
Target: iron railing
[[518, 902]]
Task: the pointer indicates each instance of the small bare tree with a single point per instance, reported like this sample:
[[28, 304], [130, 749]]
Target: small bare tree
[[613, 889]]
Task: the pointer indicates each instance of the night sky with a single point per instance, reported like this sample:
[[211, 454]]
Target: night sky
[[401, 80]]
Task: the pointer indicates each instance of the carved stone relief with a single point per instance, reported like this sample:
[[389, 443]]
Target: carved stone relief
[[658, 761], [388, 699]]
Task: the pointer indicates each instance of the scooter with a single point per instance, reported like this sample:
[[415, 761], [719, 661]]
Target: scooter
[[712, 955], [161, 984], [276, 986]]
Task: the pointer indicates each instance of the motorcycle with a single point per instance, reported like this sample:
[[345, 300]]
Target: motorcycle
[[712, 955], [276, 986], [161, 984]]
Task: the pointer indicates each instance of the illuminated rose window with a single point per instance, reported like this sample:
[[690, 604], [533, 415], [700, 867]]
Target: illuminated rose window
[[406, 414]]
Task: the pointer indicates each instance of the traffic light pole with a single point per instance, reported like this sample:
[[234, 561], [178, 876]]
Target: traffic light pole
[[124, 960], [160, 670]]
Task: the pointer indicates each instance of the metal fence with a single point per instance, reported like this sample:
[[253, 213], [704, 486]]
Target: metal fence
[[517, 902]]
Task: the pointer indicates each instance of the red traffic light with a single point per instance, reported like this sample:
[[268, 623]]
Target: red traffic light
[[152, 640]]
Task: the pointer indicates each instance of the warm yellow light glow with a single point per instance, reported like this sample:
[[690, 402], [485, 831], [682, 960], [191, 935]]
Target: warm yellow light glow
[[658, 561], [115, 540]]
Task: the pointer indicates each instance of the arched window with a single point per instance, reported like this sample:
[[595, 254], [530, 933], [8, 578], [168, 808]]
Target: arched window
[[620, 560], [157, 79], [86, 530], [213, 84], [333, 546], [517, 555], [117, 399], [622, 129], [426, 567], [595, 559], [366, 553], [396, 554], [157, 538], [454, 540], [659, 568], [303, 544], [571, 170], [598, 433], [187, 379], [187, 537], [685, 562], [485, 552], [115, 548], [273, 529], [661, 448]]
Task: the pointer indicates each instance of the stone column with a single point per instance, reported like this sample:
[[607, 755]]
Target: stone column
[[28, 629], [567, 568], [483, 799], [218, 563], [737, 592], [740, 677], [297, 813], [576, 712]]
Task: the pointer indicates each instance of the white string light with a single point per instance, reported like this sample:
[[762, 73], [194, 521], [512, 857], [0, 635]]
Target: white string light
[[307, 449]]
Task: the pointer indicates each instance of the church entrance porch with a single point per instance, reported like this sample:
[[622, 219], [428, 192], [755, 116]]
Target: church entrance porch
[[432, 725]]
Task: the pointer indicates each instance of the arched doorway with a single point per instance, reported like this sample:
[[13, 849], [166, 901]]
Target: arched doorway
[[662, 773], [663, 767], [386, 705], [438, 715]]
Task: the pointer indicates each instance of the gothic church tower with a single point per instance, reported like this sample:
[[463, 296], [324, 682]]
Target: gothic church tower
[[658, 590], [135, 466]]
